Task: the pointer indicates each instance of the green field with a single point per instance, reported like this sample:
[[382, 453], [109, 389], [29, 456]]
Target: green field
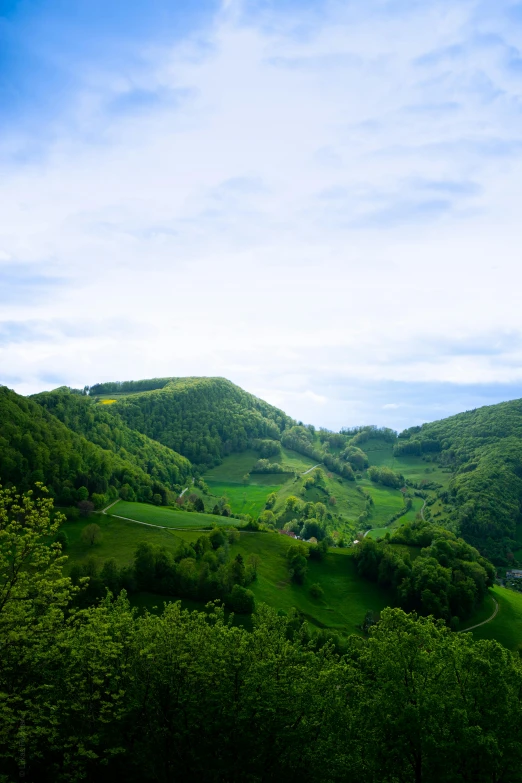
[[235, 466], [506, 627], [387, 502], [413, 468], [167, 517], [119, 540], [248, 499], [347, 597]]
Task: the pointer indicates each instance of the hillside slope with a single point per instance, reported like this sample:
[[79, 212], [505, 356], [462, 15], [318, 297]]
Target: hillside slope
[[36, 446], [484, 449], [202, 418], [108, 430]]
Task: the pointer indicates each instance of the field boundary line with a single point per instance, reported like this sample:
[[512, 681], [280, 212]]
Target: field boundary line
[[497, 607]]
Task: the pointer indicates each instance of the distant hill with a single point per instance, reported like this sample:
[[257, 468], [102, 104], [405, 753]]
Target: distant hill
[[108, 430], [36, 446], [484, 449], [202, 418]]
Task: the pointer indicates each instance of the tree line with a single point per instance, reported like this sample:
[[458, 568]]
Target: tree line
[[202, 571], [447, 578]]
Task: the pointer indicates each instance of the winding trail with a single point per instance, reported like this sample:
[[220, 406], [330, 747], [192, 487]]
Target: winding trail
[[464, 630], [422, 510]]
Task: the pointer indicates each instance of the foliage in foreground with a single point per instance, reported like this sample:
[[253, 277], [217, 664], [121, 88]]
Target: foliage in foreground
[[102, 694]]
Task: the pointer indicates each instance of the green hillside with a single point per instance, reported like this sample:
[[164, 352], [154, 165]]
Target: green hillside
[[108, 430], [347, 596], [483, 450], [36, 446], [202, 418]]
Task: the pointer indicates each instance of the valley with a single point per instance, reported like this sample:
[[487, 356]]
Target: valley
[[241, 464]]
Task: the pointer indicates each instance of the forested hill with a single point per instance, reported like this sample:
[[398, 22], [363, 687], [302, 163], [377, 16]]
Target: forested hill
[[36, 446], [108, 430], [202, 418], [484, 447]]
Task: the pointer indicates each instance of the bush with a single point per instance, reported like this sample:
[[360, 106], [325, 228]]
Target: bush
[[241, 600], [92, 534], [316, 591]]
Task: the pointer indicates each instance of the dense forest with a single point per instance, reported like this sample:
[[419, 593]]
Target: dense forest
[[202, 418], [36, 446], [107, 429], [102, 693], [484, 448]]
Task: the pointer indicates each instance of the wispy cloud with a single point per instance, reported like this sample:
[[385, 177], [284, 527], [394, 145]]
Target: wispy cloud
[[314, 198]]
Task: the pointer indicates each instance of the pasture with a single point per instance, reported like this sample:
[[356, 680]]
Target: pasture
[[167, 517], [243, 499], [347, 596], [413, 468], [506, 627]]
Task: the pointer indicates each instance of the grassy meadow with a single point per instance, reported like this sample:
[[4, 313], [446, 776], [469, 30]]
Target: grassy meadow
[[347, 596], [506, 627], [413, 468], [167, 517], [249, 499]]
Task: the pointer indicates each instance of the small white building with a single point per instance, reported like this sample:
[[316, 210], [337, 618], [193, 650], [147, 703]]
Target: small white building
[[515, 573]]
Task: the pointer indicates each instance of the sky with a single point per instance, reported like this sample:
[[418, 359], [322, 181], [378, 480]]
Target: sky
[[321, 201]]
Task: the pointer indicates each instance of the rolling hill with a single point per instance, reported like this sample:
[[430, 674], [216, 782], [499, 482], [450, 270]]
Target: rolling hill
[[107, 429], [36, 446]]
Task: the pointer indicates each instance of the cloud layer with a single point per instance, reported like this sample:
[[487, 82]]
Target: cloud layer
[[317, 200]]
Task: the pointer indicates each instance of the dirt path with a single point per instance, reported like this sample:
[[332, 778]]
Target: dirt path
[[464, 630], [104, 511], [422, 509], [310, 469]]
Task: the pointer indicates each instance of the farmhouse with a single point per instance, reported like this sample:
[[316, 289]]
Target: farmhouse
[[516, 573]]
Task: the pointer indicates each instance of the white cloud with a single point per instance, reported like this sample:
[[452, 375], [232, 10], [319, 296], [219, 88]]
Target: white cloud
[[290, 207]]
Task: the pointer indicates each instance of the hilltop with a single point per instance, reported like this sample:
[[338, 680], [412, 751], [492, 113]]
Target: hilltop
[[202, 418]]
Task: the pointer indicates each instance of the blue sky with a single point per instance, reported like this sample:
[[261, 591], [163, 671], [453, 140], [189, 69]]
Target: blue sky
[[318, 200]]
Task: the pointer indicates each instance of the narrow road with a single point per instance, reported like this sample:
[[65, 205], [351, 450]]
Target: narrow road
[[422, 509], [484, 621], [310, 470]]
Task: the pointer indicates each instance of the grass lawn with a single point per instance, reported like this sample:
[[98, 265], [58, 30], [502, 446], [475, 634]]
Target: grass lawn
[[506, 628], [168, 517]]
